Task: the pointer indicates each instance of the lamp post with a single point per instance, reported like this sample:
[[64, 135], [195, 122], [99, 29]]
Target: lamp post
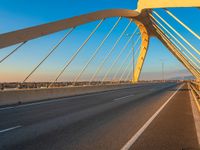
[[163, 76], [162, 70], [132, 47], [133, 60]]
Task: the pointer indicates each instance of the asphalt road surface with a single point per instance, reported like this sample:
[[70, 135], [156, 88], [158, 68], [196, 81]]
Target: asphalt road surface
[[143, 117]]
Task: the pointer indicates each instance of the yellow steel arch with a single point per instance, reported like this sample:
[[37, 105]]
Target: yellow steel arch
[[150, 4], [140, 18], [143, 51], [27, 34], [148, 30]]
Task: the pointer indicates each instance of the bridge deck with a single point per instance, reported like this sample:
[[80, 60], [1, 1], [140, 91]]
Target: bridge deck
[[174, 128], [105, 120]]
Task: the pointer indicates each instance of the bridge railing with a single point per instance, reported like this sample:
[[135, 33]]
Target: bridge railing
[[195, 89], [40, 85], [196, 85]]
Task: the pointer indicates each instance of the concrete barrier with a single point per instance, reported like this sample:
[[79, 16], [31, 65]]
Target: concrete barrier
[[9, 97]]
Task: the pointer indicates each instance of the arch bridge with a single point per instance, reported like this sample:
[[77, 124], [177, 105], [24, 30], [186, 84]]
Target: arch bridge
[[149, 23], [80, 92]]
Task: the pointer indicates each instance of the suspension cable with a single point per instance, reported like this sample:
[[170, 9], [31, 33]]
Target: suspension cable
[[184, 25], [155, 20], [190, 60], [128, 75], [12, 52], [127, 56], [130, 69], [53, 49], [186, 41], [167, 40], [135, 53], [115, 75], [76, 53], [125, 70], [108, 55], [119, 55], [171, 40], [97, 49]]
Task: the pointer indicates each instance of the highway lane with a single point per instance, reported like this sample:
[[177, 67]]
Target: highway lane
[[104, 120], [35, 112], [173, 126]]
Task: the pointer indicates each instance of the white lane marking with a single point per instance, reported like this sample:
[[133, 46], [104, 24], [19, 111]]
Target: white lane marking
[[57, 100], [5, 108], [51, 101], [120, 98], [8, 129], [61, 99], [142, 129]]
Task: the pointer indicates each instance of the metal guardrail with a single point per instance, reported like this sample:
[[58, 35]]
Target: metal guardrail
[[34, 85], [38, 85], [195, 87]]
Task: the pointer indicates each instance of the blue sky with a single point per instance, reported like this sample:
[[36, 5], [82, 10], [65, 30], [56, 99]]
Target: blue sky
[[20, 14]]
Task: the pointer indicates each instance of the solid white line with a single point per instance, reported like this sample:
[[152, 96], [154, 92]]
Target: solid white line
[[5, 108], [8, 129], [142, 129], [120, 98], [57, 100], [52, 101], [61, 99]]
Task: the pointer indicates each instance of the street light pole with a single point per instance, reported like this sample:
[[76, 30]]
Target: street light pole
[[133, 61], [163, 71], [132, 47], [163, 77]]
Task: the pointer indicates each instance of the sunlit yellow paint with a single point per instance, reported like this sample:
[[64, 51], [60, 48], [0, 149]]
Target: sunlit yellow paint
[[149, 4]]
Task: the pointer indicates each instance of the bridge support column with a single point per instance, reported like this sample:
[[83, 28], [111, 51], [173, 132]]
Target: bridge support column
[[143, 51]]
